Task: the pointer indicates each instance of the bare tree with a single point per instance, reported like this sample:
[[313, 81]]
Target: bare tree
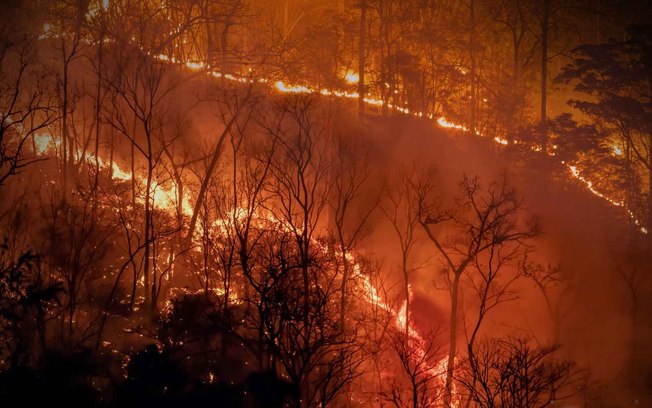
[[512, 373], [515, 20], [236, 105], [299, 175], [548, 280], [140, 88], [484, 222], [490, 279], [78, 243], [26, 109], [69, 20], [401, 209], [419, 384], [362, 53], [352, 204]]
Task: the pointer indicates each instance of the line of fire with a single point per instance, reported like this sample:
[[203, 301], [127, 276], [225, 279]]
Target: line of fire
[[326, 203]]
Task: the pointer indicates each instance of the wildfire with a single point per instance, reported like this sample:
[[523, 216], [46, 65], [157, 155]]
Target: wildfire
[[281, 86], [351, 77], [402, 322], [443, 122], [195, 65], [589, 186], [501, 140], [164, 194], [163, 199], [43, 143]]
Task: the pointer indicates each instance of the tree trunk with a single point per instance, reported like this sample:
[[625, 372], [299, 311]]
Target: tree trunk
[[98, 105], [597, 22], [224, 45], [361, 57], [649, 199], [406, 283], [543, 120], [345, 277], [415, 394], [111, 150], [452, 346], [286, 18], [209, 172], [209, 40], [473, 73], [133, 165], [64, 118], [649, 172], [148, 221]]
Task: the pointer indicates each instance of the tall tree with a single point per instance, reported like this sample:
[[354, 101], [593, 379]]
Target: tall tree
[[26, 107], [362, 51], [485, 221], [616, 79], [545, 34]]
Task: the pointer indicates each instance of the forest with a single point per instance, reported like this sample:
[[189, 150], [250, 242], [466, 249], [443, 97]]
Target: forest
[[326, 203]]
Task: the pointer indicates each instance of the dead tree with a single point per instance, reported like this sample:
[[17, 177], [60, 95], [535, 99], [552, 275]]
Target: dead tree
[[353, 203], [235, 105], [26, 109], [401, 210], [299, 174], [140, 88], [490, 279], [484, 221], [69, 22], [78, 243], [417, 382], [511, 373]]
